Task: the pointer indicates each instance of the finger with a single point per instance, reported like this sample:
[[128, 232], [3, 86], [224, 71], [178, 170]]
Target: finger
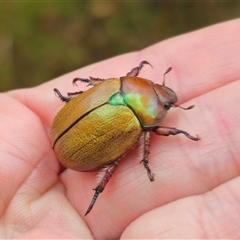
[[23, 146], [202, 60], [32, 200], [213, 215]]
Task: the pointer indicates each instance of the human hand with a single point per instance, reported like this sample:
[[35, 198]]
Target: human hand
[[195, 193]]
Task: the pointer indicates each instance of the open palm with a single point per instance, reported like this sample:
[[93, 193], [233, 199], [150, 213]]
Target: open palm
[[196, 189]]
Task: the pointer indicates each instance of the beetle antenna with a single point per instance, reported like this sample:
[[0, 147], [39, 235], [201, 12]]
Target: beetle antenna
[[188, 108], [168, 70]]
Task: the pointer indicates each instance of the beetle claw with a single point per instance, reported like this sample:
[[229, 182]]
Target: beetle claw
[[91, 81], [63, 98], [98, 190], [149, 172], [135, 71], [197, 138], [166, 131], [86, 80]]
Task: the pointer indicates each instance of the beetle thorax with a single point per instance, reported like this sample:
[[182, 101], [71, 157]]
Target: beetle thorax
[[141, 96]]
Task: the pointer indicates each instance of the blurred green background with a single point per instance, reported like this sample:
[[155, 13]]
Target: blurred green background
[[40, 40]]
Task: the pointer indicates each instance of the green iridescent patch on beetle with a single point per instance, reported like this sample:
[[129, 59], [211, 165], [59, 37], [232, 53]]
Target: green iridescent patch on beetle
[[117, 99], [142, 104], [148, 110]]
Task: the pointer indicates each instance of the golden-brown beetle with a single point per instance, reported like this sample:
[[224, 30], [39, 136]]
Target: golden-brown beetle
[[97, 127]]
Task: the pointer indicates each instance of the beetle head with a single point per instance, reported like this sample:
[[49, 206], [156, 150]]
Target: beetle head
[[166, 96]]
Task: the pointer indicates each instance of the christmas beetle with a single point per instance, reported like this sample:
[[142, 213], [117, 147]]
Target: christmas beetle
[[97, 127]]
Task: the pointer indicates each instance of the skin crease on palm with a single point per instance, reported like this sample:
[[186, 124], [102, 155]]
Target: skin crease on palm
[[196, 190]]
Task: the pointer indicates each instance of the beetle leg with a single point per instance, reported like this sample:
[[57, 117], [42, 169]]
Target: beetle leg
[[74, 93], [64, 99], [91, 80], [108, 172], [144, 151], [135, 71], [166, 131]]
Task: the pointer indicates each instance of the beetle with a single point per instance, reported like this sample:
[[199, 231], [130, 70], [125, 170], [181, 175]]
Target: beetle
[[96, 128]]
